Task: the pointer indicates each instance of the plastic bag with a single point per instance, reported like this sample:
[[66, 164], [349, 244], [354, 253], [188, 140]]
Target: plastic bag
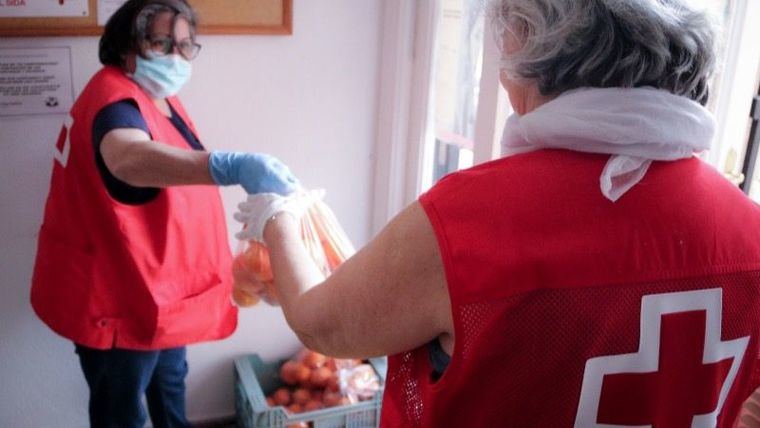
[[323, 237], [359, 382]]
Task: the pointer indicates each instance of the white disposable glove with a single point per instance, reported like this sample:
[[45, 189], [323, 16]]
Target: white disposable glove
[[258, 209]]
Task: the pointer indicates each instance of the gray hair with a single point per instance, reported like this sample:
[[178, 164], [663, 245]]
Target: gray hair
[[568, 44], [145, 17]]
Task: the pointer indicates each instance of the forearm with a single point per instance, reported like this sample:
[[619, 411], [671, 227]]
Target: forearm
[[295, 274], [151, 164], [131, 156]]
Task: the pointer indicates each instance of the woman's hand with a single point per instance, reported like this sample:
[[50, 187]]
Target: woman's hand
[[258, 209], [256, 172]]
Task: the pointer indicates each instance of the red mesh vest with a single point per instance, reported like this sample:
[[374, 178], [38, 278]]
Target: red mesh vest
[[148, 276], [570, 310]]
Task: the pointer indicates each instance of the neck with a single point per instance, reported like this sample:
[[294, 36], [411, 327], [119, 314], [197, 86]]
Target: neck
[[532, 101]]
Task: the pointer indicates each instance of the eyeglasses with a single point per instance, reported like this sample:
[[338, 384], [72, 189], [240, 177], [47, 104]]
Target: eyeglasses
[[165, 45]]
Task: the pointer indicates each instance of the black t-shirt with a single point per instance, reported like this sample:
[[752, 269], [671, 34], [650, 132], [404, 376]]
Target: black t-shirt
[[125, 114]]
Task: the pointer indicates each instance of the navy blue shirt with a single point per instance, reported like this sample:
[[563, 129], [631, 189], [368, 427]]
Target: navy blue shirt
[[439, 359], [125, 114]]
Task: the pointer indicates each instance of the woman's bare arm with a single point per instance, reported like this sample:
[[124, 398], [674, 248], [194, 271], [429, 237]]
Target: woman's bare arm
[[131, 156], [389, 297]]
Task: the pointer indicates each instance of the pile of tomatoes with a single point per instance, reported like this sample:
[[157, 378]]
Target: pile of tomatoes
[[312, 383]]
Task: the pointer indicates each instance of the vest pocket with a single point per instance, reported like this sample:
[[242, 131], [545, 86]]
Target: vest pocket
[[202, 316], [62, 282]]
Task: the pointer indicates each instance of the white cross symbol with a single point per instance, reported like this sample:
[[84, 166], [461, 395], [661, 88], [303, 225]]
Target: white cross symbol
[[647, 360]]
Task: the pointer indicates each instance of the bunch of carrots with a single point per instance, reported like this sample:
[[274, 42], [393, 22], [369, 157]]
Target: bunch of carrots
[[324, 239]]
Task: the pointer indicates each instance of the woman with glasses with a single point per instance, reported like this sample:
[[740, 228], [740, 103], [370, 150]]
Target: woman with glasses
[[133, 259]]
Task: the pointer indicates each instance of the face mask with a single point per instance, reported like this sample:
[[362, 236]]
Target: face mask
[[161, 76]]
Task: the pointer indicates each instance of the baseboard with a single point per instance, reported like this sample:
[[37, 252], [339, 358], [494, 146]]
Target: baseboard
[[221, 422]]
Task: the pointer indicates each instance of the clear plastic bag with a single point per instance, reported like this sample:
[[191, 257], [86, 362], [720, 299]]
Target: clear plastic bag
[[324, 239]]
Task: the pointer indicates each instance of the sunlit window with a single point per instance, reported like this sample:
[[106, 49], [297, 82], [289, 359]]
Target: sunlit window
[[458, 63]]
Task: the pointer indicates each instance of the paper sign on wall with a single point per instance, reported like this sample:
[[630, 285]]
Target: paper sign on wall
[[106, 8], [35, 81], [43, 8]]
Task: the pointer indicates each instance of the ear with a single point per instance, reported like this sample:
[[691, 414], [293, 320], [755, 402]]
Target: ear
[[513, 40]]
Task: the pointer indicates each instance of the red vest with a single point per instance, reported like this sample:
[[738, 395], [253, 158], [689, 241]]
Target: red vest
[[570, 310], [148, 276]]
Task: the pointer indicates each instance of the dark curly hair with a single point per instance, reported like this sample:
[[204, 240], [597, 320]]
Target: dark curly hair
[[128, 27]]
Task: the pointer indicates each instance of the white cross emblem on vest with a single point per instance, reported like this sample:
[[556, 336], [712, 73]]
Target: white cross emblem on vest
[[680, 376]]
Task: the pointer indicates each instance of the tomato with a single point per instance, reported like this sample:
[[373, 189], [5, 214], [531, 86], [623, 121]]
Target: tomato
[[301, 396], [312, 359], [313, 405], [256, 260], [281, 397], [332, 384], [287, 372], [320, 377], [295, 408], [242, 297], [332, 399]]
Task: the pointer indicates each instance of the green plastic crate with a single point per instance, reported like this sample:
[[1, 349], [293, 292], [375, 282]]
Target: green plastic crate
[[255, 379]]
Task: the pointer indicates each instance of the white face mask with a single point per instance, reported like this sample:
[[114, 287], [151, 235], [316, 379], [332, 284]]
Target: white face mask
[[161, 76]]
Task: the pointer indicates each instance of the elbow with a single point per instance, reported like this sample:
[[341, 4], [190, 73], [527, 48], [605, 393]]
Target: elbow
[[125, 172], [305, 329], [126, 163], [127, 169], [311, 342], [312, 333]]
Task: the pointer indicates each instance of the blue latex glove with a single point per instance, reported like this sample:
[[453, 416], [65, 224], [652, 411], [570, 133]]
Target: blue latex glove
[[256, 172]]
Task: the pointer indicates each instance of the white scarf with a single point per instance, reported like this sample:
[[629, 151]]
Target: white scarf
[[635, 126]]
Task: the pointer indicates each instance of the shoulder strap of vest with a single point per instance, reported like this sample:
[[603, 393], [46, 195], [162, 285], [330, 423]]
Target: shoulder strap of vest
[[107, 86], [180, 109]]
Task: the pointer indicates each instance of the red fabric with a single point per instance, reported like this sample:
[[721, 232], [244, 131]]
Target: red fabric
[[552, 284], [149, 276]]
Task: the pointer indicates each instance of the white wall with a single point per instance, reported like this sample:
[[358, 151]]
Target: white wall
[[309, 99]]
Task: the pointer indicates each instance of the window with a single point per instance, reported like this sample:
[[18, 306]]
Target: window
[[458, 64], [751, 184], [466, 104], [442, 107], [735, 86]]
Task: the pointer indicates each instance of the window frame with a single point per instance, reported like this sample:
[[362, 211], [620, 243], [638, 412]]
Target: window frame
[[404, 120]]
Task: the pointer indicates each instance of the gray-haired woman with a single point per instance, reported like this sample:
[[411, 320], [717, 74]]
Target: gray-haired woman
[[598, 275]]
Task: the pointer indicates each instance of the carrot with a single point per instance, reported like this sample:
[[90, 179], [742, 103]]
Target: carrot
[[324, 239]]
